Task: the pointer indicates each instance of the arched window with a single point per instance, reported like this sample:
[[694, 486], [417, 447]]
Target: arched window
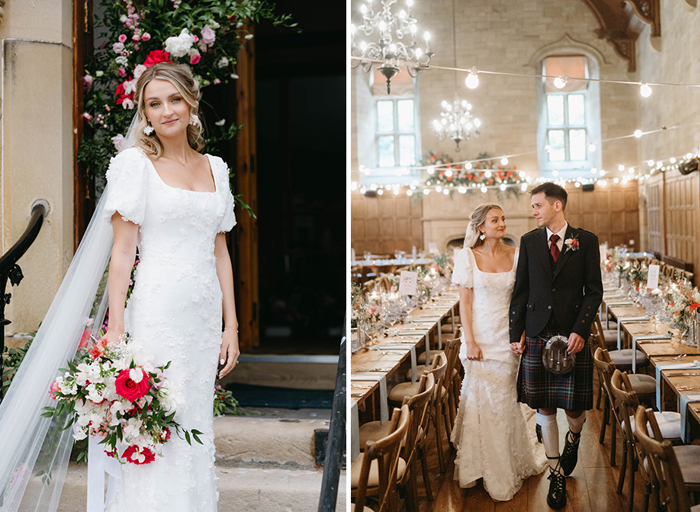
[[568, 117], [388, 129]]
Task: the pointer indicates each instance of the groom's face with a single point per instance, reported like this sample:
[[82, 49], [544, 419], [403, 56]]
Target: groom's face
[[543, 210]]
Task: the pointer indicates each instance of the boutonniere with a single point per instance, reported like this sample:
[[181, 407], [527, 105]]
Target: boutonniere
[[572, 243]]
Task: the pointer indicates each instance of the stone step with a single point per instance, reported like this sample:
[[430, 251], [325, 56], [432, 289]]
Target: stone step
[[276, 439], [251, 489]]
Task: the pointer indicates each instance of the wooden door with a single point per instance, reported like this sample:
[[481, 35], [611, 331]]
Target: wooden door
[[244, 248]]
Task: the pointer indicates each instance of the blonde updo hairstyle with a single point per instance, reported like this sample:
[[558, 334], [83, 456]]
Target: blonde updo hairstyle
[[476, 220], [181, 77]]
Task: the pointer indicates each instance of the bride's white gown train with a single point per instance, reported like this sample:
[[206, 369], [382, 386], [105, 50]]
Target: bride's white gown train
[[174, 313], [491, 436]]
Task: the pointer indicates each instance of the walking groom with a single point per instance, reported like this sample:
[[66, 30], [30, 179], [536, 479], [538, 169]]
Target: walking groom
[[558, 290]]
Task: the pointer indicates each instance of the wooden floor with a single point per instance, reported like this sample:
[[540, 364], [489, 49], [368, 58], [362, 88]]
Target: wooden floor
[[590, 488]]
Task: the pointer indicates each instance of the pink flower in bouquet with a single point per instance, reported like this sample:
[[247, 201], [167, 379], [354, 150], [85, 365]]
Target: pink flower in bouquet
[[96, 351], [121, 38], [84, 340], [129, 388], [133, 455], [146, 36], [54, 388], [118, 47]]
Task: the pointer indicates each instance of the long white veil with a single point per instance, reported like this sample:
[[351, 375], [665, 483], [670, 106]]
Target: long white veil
[[35, 451]]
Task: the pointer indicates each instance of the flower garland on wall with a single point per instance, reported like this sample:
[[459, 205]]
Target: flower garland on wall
[[205, 35]]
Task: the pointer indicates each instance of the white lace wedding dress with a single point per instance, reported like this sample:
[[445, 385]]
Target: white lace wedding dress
[[174, 313], [490, 432]]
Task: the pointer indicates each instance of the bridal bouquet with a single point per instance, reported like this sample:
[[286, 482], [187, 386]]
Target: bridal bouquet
[[114, 391]]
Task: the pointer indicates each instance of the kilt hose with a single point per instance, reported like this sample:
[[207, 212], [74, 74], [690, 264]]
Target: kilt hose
[[539, 388]]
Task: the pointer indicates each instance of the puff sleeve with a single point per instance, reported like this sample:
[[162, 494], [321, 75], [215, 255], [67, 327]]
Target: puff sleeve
[[229, 218], [126, 179], [462, 273]]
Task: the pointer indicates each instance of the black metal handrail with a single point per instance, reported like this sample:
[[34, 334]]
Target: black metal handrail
[[10, 270], [336, 438]]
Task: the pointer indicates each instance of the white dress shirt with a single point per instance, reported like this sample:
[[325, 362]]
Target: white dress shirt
[[561, 233]]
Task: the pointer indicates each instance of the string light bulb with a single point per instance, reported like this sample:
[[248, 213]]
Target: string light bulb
[[468, 166], [472, 80], [560, 81], [644, 90], [620, 167], [672, 160], [650, 163], [503, 186], [409, 192], [591, 148], [380, 192], [523, 187], [484, 189], [431, 170], [504, 161], [638, 133]]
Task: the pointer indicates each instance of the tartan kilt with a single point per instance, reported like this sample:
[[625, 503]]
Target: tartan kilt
[[539, 388]]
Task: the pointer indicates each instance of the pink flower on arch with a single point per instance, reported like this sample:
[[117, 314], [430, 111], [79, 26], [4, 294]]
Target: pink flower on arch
[[146, 36], [122, 38], [195, 58]]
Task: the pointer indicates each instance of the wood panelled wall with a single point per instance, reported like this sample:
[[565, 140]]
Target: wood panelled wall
[[611, 212], [672, 204], [385, 224]]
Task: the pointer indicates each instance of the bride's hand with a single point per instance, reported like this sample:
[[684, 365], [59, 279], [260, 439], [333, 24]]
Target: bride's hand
[[474, 352], [518, 348], [229, 351]]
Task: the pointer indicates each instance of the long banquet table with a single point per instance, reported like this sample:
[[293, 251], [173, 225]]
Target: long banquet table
[[675, 365], [384, 362]]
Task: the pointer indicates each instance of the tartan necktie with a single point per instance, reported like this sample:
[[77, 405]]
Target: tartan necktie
[[554, 249]]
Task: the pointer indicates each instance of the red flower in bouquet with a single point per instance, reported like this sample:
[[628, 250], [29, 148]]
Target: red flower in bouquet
[[97, 349], [155, 57], [129, 388], [133, 455], [165, 435]]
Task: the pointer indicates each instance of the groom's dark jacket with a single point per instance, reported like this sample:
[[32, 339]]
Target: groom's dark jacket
[[571, 289]]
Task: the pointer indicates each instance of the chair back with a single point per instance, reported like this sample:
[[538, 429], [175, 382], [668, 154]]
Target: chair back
[[597, 331], [605, 368], [663, 464], [625, 401], [418, 406], [386, 452], [438, 371]]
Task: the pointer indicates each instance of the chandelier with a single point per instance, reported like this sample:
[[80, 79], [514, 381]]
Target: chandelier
[[457, 122], [391, 29]]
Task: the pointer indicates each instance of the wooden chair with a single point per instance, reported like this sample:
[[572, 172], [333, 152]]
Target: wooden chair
[[435, 413], [663, 463], [379, 467], [375, 430], [621, 358]]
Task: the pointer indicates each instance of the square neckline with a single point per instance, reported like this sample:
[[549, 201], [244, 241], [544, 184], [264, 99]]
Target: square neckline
[[211, 170], [515, 261]]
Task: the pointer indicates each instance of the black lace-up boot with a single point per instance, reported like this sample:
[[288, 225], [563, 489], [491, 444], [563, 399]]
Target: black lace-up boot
[[557, 487], [569, 456]]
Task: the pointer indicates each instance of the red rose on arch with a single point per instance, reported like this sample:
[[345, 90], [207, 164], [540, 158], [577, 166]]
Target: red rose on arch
[[155, 57], [130, 389], [121, 96], [134, 450]]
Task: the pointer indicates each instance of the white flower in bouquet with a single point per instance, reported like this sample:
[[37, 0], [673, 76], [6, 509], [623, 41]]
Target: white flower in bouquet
[[79, 433], [132, 428], [178, 46], [122, 61]]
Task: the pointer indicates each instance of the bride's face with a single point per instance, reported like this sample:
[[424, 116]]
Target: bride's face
[[495, 224], [166, 109]]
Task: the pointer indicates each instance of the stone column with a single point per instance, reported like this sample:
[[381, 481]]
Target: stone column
[[36, 154]]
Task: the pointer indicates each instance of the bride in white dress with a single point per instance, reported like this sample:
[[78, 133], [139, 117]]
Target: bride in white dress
[[490, 431], [176, 204]]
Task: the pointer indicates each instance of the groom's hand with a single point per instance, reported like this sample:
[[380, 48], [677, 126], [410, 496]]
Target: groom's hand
[[575, 343]]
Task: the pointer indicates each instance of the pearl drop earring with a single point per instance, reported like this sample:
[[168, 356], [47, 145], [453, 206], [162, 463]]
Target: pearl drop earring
[[482, 237]]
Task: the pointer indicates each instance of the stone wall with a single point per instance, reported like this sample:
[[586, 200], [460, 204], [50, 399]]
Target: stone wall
[[502, 35], [36, 148]]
